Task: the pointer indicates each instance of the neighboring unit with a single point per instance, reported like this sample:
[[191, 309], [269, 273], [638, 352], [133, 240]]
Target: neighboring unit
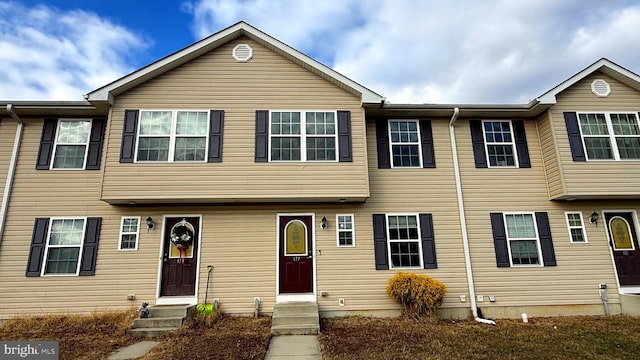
[[300, 185]]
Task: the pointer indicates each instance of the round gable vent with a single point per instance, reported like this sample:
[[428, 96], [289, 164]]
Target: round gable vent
[[600, 88], [242, 52]]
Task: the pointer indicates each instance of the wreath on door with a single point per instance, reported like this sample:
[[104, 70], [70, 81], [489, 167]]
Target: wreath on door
[[182, 234]]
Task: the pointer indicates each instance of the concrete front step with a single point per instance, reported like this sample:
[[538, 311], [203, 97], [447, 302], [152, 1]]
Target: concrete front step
[[299, 329], [150, 332], [158, 322], [162, 319], [295, 319]]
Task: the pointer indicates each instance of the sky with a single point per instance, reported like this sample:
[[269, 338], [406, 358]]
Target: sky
[[409, 51]]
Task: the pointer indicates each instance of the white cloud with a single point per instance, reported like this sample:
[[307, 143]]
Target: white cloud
[[49, 54], [497, 51]]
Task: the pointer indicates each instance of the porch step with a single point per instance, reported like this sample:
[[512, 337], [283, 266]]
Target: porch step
[[630, 304], [296, 318], [162, 319]]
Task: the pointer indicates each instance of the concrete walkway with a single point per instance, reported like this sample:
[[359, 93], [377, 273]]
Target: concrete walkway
[[133, 351], [286, 347]]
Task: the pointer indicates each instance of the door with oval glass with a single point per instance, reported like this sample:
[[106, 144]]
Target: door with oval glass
[[296, 253], [623, 240], [179, 256]]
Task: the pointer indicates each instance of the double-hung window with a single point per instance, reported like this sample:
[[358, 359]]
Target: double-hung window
[[303, 136], [499, 142], [63, 246], [345, 230], [129, 231], [172, 136], [404, 241], [70, 148], [404, 138], [610, 136], [522, 238], [575, 224]]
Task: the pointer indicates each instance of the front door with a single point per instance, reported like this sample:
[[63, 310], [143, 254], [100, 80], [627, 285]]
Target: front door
[[623, 240], [180, 256], [296, 254]]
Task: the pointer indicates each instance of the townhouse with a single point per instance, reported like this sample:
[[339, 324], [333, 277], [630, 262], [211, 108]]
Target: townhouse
[[298, 184]]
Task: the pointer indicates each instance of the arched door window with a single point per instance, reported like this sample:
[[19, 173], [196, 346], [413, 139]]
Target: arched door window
[[620, 234], [295, 238]]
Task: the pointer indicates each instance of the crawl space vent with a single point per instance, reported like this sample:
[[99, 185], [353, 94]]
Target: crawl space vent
[[242, 52], [600, 88]]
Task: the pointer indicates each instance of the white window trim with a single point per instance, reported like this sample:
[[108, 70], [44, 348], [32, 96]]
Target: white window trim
[[352, 231], [46, 252], [535, 227], [389, 241], [173, 136], [55, 143], [303, 136], [611, 135], [512, 143], [418, 143], [570, 227], [122, 232]]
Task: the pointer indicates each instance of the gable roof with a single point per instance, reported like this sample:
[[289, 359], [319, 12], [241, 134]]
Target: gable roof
[[603, 65], [107, 92]]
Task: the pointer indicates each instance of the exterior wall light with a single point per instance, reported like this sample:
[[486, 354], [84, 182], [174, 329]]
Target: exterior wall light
[[323, 223], [150, 223], [594, 218]]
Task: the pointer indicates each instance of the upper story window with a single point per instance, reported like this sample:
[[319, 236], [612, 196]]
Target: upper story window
[[405, 143], [172, 135], [499, 142], [71, 144], [610, 136], [303, 136]]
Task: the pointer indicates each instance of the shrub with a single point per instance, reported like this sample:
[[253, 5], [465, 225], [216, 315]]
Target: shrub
[[418, 294]]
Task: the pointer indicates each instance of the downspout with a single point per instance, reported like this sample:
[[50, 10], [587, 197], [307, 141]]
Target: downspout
[[463, 222], [12, 169]]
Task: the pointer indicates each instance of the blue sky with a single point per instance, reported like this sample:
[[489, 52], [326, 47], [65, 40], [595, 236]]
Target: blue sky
[[459, 51]]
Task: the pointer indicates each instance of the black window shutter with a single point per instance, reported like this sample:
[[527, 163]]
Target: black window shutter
[[521, 143], [344, 136], [216, 126], [129, 132], [90, 248], [575, 140], [546, 243], [46, 144], [477, 141], [428, 242], [95, 144], [382, 140], [262, 136], [500, 240], [428, 156], [380, 241], [38, 243]]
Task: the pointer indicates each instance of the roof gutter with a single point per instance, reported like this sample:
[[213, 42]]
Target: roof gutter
[[463, 222], [12, 169]]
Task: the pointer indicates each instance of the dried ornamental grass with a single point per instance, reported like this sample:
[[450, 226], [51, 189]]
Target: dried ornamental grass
[[418, 294]]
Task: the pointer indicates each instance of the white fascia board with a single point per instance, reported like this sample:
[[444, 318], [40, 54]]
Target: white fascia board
[[603, 64], [169, 62]]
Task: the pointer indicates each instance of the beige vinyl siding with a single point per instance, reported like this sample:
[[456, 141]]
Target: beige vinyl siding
[[550, 155], [7, 138], [580, 267], [216, 81], [415, 190], [595, 178]]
